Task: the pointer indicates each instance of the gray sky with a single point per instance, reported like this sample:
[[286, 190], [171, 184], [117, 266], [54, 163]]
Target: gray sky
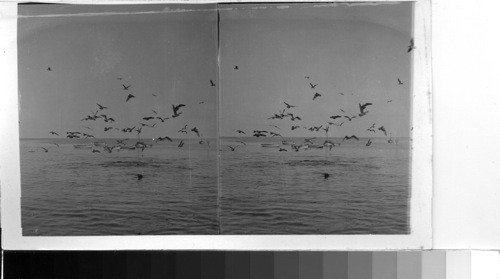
[[172, 55], [359, 50]]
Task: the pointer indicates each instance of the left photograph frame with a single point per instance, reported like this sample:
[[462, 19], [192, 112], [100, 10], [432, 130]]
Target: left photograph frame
[[191, 171]]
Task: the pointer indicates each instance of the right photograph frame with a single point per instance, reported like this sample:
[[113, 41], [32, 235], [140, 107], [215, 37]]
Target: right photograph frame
[[315, 118]]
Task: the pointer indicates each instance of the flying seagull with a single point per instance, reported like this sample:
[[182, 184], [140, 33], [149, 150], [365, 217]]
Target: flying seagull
[[163, 138], [176, 109], [162, 119], [351, 137], [313, 85], [411, 46], [236, 67], [195, 130], [101, 107], [240, 132], [273, 134], [53, 133], [88, 136], [232, 148], [400, 82], [369, 142], [49, 69], [130, 96], [212, 83], [315, 128], [257, 135], [381, 128], [362, 109], [128, 130], [293, 118], [107, 119], [316, 96], [125, 87], [276, 116], [288, 106], [147, 125]]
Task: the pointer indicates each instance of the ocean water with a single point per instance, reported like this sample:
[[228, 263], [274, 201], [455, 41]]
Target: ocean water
[[265, 191], [68, 191]]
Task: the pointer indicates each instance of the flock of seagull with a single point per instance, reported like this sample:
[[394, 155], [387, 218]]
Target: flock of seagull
[[286, 113], [149, 121], [336, 120]]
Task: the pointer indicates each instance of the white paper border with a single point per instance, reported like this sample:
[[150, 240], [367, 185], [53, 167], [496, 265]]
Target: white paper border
[[421, 176]]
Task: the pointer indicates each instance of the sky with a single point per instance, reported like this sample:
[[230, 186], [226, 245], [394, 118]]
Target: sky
[[359, 51], [171, 51], [170, 54]]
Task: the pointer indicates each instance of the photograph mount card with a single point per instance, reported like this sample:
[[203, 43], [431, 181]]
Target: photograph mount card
[[219, 126]]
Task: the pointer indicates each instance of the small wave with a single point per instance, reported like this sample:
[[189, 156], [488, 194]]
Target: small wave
[[122, 164], [316, 163], [135, 164]]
